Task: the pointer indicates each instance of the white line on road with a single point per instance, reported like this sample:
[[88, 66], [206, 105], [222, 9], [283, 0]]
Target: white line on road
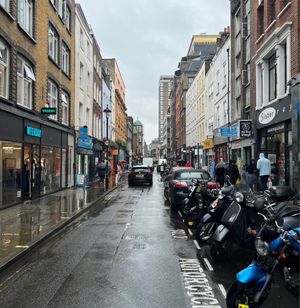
[[190, 232], [179, 214], [208, 264], [222, 289], [197, 245]]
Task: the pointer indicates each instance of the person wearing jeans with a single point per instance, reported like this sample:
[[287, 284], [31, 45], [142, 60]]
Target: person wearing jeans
[[264, 167]]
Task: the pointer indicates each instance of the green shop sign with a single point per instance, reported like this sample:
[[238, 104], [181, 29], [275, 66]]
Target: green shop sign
[[33, 132], [48, 110]]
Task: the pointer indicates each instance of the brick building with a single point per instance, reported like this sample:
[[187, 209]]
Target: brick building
[[275, 77], [36, 71]]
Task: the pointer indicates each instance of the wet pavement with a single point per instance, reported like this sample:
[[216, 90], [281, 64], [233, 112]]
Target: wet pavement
[[23, 225], [128, 251]]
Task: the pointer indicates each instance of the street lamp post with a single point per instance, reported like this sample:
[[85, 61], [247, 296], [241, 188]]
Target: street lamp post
[[107, 111]]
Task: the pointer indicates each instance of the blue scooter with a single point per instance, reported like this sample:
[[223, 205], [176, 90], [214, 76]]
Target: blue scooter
[[276, 246]]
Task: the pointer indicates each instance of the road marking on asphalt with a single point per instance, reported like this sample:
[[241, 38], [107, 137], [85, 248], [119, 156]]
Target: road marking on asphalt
[[197, 245], [190, 232], [209, 266], [222, 289], [21, 246], [197, 285], [179, 213]]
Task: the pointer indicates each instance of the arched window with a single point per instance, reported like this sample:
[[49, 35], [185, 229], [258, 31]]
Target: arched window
[[25, 79], [4, 69]]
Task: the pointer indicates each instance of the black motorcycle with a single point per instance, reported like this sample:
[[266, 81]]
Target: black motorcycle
[[241, 221], [208, 223]]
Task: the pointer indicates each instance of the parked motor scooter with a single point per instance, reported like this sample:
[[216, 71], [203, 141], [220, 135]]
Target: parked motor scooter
[[241, 221], [277, 249]]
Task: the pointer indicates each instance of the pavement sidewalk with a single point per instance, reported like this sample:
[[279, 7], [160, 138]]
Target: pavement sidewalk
[[24, 226]]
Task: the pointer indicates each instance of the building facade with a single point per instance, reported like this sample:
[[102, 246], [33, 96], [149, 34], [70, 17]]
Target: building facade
[[83, 93], [275, 71], [129, 139], [138, 142], [165, 85], [37, 71]]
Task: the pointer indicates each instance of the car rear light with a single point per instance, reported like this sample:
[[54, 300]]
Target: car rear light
[[181, 185], [213, 185]]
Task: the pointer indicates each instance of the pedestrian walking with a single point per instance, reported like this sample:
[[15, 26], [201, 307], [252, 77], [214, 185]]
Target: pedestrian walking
[[264, 167], [212, 168], [233, 172], [220, 172], [101, 171]]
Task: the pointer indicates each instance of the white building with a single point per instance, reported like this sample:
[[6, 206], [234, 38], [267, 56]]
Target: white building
[[83, 90]]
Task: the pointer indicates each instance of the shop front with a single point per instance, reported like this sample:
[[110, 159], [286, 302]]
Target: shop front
[[274, 135], [33, 158], [208, 151]]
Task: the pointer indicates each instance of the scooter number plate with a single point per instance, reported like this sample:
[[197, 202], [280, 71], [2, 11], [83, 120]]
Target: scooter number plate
[[243, 306]]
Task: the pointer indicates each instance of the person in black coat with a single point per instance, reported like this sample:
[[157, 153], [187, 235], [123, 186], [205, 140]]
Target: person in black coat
[[234, 173]]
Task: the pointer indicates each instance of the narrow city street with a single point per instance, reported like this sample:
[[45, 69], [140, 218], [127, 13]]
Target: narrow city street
[[128, 252]]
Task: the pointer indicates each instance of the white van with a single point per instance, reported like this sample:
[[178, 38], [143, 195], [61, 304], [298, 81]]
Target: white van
[[148, 161]]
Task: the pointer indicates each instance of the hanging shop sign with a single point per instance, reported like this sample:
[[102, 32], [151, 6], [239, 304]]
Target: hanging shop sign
[[33, 132], [208, 144], [84, 141], [224, 132], [245, 128], [48, 110]]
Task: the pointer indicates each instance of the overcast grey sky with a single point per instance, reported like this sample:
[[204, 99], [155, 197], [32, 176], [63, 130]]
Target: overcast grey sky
[[148, 38]]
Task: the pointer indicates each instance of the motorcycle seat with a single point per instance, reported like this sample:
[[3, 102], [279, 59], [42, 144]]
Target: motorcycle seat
[[281, 193]]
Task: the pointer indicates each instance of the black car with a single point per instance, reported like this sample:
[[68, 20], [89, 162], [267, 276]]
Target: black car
[[180, 182], [140, 174]]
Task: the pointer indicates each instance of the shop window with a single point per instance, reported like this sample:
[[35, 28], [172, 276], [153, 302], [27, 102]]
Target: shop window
[[25, 80], [10, 173], [4, 69], [52, 97], [65, 103], [65, 59], [25, 15], [5, 4], [50, 169], [53, 42]]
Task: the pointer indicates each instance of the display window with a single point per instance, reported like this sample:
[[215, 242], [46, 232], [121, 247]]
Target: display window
[[10, 173]]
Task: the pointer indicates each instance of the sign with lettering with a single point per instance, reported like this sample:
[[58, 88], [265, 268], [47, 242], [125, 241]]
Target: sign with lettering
[[48, 110], [267, 115], [33, 132], [208, 144], [84, 141], [245, 128], [234, 131], [224, 132]]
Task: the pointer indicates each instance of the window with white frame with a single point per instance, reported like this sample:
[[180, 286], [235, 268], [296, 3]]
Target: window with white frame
[[88, 50], [52, 97], [218, 82], [55, 3], [53, 42], [88, 83], [65, 103], [68, 18], [62, 7], [65, 59], [5, 4], [4, 69], [25, 15], [272, 63], [224, 112], [25, 79], [224, 74]]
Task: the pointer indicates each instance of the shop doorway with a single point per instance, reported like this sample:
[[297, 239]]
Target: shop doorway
[[31, 171]]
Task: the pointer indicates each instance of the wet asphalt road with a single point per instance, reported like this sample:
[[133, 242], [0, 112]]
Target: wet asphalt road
[[129, 251]]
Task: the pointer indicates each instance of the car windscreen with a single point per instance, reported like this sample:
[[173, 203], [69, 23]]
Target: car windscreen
[[192, 175]]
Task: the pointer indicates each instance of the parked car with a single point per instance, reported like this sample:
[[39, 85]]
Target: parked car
[[180, 182], [140, 174]]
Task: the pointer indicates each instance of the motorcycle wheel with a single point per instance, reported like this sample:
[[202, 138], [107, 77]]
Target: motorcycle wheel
[[239, 293], [205, 231], [217, 252], [166, 195]]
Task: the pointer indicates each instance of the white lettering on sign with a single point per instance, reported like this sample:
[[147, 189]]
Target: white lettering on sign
[[267, 115], [197, 285]]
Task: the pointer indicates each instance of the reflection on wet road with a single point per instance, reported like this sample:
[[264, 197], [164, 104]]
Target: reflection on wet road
[[130, 251]]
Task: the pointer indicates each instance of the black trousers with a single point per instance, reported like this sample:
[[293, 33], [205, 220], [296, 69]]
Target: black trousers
[[263, 182]]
